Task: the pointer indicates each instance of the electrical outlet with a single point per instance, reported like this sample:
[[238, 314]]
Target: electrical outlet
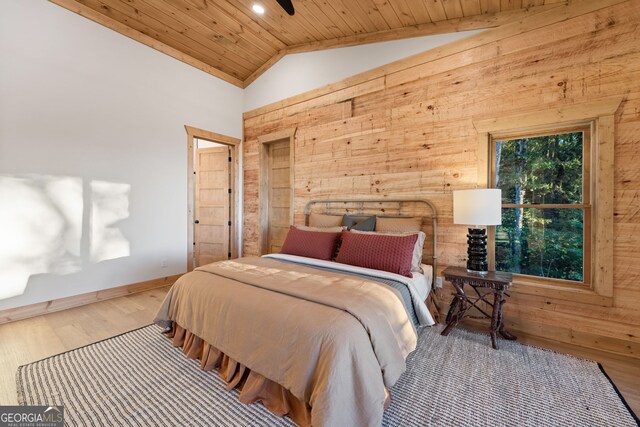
[[164, 263], [439, 282]]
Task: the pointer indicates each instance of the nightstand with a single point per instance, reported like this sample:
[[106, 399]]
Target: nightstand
[[496, 282]]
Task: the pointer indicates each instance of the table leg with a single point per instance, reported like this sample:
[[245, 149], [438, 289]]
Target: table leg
[[495, 318], [457, 315], [505, 334], [458, 307], [453, 309]]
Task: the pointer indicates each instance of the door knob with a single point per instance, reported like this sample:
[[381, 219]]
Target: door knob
[[197, 222]]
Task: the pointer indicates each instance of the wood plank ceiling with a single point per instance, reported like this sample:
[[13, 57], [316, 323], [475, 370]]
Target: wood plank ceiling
[[227, 39]]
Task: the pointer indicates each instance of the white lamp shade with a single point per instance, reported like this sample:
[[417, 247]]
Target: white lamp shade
[[480, 206]]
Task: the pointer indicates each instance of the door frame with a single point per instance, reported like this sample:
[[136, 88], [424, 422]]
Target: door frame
[[234, 144], [263, 190]]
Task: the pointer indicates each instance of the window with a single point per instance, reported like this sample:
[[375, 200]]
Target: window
[[565, 219], [546, 211]]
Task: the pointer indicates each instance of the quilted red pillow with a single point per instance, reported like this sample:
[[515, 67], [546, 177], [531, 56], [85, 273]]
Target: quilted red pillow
[[379, 251], [310, 244]]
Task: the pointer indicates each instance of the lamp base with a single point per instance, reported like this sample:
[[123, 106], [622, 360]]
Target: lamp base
[[477, 251]]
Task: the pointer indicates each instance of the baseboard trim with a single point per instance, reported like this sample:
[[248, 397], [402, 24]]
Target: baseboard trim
[[38, 309]]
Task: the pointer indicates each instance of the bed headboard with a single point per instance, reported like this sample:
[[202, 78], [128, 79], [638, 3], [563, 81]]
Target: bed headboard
[[400, 208]]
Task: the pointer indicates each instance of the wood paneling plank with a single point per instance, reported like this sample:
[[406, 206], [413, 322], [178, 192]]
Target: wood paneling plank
[[470, 7], [540, 19], [324, 15], [289, 29], [236, 20], [220, 23], [411, 13], [386, 9], [355, 14], [437, 12], [410, 130], [490, 6], [215, 41], [453, 8]]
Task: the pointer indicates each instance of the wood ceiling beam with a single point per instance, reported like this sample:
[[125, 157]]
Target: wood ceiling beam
[[112, 24], [562, 12], [488, 20], [478, 22], [484, 21]]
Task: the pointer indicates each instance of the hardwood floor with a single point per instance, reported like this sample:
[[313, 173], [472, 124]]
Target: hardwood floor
[[32, 339]]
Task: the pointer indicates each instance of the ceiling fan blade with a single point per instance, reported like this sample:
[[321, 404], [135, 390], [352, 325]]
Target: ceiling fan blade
[[287, 5]]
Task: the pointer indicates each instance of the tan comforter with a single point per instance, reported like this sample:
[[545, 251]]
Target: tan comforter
[[332, 340]]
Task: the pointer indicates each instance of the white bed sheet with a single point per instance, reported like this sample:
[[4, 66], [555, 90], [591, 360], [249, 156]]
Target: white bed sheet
[[423, 281]]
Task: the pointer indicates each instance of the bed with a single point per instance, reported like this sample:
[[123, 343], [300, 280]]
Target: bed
[[315, 339]]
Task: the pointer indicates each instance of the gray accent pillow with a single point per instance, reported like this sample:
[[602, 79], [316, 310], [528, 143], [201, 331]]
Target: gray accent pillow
[[360, 223]]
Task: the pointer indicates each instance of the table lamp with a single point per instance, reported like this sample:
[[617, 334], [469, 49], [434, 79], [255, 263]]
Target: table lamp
[[477, 207]]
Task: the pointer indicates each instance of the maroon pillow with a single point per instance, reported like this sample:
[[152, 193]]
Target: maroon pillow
[[310, 244], [379, 251]]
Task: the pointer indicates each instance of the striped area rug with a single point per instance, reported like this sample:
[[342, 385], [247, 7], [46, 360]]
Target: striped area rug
[[457, 380]]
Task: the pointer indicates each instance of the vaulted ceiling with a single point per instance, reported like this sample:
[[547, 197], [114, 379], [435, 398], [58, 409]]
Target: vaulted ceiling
[[228, 39]]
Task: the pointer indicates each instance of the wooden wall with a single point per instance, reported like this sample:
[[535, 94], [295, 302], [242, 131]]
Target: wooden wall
[[406, 129]]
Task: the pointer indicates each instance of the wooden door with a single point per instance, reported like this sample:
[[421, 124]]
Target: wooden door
[[279, 195], [212, 205]]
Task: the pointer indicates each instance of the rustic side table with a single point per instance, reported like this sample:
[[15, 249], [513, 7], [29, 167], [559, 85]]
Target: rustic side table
[[496, 282]]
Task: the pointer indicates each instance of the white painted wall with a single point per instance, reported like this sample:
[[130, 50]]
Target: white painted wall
[[302, 72], [93, 147], [93, 153]]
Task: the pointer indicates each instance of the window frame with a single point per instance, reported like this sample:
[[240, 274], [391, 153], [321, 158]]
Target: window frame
[[597, 288], [585, 206]]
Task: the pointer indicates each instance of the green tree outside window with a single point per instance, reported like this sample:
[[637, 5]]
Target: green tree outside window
[[543, 216]]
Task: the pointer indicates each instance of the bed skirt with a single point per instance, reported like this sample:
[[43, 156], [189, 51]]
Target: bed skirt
[[252, 386]]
